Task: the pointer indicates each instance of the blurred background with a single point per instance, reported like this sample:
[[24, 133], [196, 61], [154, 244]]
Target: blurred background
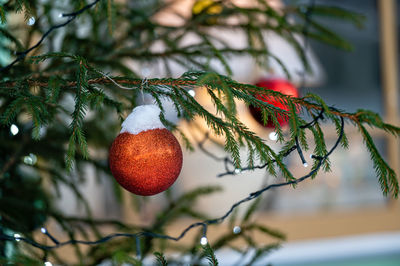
[[341, 217]]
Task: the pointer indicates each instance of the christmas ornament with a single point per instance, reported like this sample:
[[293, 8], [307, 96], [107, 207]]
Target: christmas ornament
[[145, 158], [276, 84]]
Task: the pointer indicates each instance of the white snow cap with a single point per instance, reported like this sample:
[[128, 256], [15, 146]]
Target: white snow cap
[[142, 118]]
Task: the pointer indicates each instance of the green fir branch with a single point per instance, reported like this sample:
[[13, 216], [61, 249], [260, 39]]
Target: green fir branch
[[208, 253], [386, 175], [161, 260]]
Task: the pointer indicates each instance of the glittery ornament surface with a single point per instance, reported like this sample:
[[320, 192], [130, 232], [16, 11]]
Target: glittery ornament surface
[[146, 163]]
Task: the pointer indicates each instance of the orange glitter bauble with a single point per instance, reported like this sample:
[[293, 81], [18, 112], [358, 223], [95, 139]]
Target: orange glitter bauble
[[146, 163]]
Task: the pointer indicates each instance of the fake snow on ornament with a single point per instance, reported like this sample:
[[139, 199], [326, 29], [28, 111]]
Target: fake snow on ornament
[[145, 158], [142, 118]]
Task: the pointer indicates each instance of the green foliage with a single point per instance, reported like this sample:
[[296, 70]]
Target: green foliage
[[160, 259], [262, 252], [3, 19], [320, 146], [120, 258], [209, 255], [338, 13], [21, 260], [78, 87], [387, 177]]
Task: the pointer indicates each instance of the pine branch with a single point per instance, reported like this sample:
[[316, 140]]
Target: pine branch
[[77, 135], [160, 259], [210, 256], [228, 125], [71, 17], [386, 175]]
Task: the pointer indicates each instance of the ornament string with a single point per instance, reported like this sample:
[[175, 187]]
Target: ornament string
[[111, 79], [71, 16], [203, 224], [142, 86]]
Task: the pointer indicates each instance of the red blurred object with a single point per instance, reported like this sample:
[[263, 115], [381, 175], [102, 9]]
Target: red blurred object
[[275, 84]]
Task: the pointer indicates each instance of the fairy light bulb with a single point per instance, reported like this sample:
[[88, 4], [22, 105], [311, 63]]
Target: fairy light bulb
[[31, 21], [43, 230], [42, 132], [238, 171], [273, 136], [305, 164], [237, 229], [48, 263], [203, 241], [30, 159], [192, 93], [17, 237], [14, 129]]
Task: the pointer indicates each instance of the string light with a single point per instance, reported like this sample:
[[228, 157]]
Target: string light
[[192, 93], [17, 237], [238, 171], [203, 241], [31, 21], [30, 159], [42, 132], [300, 152], [273, 136], [14, 129], [237, 230], [43, 230], [138, 251], [48, 263]]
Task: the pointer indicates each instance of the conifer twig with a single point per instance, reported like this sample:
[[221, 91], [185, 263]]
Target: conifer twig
[[71, 16], [177, 82]]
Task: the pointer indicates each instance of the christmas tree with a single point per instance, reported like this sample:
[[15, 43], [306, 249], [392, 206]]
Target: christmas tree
[[72, 71]]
